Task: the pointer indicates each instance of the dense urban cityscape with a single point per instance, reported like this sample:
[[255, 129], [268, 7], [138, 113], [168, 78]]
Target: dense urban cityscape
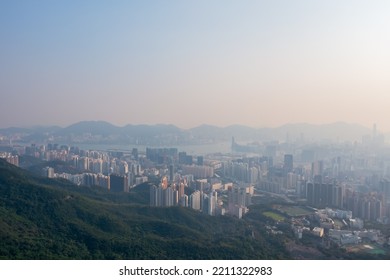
[[194, 138], [335, 192]]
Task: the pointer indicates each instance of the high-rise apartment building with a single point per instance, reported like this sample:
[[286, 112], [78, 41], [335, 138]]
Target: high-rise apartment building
[[288, 163], [119, 183]]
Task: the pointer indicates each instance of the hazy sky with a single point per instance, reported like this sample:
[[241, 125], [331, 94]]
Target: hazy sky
[[257, 63]]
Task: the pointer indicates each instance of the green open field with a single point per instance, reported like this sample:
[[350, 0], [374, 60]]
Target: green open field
[[273, 216], [367, 248]]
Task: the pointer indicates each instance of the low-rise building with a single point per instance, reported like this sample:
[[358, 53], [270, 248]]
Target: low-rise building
[[318, 231]]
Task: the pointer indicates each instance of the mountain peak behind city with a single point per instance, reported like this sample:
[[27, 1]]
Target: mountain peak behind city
[[338, 131]]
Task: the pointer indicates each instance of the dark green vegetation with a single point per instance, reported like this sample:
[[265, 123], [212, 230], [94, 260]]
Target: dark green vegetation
[[53, 219], [36, 165]]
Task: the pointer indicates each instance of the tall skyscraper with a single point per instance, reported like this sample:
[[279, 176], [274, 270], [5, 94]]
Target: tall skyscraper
[[171, 172], [317, 168], [181, 190], [288, 163], [164, 182], [118, 183], [195, 200]]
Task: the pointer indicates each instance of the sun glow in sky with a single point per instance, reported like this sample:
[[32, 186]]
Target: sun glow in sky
[[256, 63]]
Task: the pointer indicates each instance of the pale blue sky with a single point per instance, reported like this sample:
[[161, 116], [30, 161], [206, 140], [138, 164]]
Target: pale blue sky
[[257, 63]]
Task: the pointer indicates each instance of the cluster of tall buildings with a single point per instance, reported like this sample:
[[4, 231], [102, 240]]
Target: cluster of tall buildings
[[183, 171], [321, 195], [105, 165], [161, 155], [332, 184], [239, 198], [171, 196], [250, 170], [341, 179], [110, 170], [198, 171], [166, 194], [208, 201], [50, 152], [10, 158], [342, 176], [367, 206]]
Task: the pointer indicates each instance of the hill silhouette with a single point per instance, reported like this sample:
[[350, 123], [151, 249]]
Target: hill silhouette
[[167, 134]]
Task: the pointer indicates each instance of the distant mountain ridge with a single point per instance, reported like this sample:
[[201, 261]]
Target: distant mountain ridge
[[163, 133], [104, 128]]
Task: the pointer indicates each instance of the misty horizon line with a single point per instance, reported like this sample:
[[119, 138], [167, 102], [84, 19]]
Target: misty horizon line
[[193, 127]]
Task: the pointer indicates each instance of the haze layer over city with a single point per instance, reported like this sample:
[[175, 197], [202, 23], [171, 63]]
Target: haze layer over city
[[254, 63], [194, 130]]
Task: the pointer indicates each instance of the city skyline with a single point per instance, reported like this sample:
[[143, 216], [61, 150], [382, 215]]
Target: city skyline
[[252, 63]]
